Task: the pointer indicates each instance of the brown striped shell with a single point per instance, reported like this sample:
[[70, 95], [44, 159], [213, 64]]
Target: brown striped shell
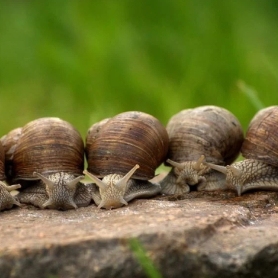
[[125, 140], [2, 163], [206, 130], [93, 132], [9, 142], [261, 140], [48, 145]]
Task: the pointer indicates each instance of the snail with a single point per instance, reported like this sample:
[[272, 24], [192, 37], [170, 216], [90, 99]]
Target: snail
[[9, 142], [123, 153], [6, 199], [259, 169], [208, 133], [48, 160]]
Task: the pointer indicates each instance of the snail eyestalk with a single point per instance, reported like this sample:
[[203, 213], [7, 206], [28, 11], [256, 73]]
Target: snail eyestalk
[[175, 164], [10, 187], [197, 165], [6, 199], [48, 182], [96, 180], [239, 189], [121, 184], [219, 168], [112, 188], [234, 176], [73, 183], [236, 172]]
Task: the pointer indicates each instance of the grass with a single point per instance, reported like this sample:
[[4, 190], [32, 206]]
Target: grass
[[251, 94], [87, 60], [143, 259]]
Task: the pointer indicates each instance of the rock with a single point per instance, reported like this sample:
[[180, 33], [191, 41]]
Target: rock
[[211, 234]]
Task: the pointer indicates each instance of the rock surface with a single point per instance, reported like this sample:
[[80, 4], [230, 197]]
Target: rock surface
[[213, 234]]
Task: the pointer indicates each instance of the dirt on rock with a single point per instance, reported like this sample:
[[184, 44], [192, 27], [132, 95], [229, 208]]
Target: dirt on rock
[[200, 234]]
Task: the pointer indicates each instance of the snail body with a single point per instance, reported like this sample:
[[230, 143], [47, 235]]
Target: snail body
[[259, 169], [123, 153], [6, 199], [207, 133], [48, 160]]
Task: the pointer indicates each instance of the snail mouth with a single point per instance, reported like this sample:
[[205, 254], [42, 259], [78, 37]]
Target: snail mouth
[[187, 177], [62, 205], [111, 204]]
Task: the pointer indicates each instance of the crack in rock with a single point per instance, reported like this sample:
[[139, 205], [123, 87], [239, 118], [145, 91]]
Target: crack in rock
[[195, 235]]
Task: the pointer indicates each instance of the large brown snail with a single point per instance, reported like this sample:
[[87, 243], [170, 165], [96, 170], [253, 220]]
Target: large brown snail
[[123, 153], [48, 160], [259, 169], [6, 199], [206, 132]]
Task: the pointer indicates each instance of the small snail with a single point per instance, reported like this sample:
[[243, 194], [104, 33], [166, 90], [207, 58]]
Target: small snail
[[6, 199], [48, 160], [259, 169], [124, 152], [206, 132]]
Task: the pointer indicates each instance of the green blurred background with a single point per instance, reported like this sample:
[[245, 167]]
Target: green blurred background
[[87, 60]]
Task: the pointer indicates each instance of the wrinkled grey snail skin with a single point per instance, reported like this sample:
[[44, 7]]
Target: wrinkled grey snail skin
[[61, 191], [114, 191], [259, 169], [7, 201], [208, 133], [184, 175], [249, 174]]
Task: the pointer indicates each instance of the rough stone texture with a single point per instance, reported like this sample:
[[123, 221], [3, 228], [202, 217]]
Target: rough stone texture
[[213, 234]]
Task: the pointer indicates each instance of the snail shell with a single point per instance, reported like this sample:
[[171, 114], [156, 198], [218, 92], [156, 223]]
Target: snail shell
[[9, 142], [259, 169], [47, 146], [261, 140], [208, 132], [6, 199], [2, 162], [92, 133], [131, 137], [50, 150], [119, 144]]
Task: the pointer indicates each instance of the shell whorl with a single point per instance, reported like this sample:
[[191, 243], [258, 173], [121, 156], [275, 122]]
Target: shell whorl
[[2, 163], [127, 139], [48, 145], [261, 140], [206, 130], [9, 142]]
